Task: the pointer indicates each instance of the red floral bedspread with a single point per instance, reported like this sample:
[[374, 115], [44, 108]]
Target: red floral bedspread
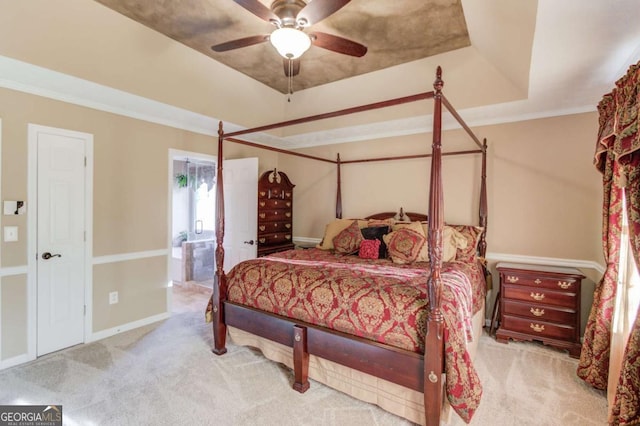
[[373, 299]]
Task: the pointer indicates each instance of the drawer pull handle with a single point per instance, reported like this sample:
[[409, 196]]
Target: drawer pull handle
[[288, 237], [276, 203], [287, 194], [288, 203], [262, 215], [537, 312], [564, 285], [537, 296], [537, 281], [262, 204], [262, 240], [262, 193], [537, 327], [262, 227], [512, 279], [287, 225], [287, 214]]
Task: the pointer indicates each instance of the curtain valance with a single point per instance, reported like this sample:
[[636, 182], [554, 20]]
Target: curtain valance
[[618, 130]]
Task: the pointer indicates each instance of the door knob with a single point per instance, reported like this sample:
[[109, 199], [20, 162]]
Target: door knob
[[47, 255], [250, 242]]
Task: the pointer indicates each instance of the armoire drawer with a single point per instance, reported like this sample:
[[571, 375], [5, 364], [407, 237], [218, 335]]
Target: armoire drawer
[[271, 215], [271, 227]]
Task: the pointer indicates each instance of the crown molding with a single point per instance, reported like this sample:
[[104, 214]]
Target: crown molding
[[39, 81]]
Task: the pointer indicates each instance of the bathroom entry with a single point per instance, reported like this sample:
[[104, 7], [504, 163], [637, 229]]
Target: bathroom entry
[[193, 221]]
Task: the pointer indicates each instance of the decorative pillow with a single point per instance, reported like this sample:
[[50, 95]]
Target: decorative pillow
[[471, 234], [423, 256], [376, 233], [331, 230], [349, 239], [404, 245], [369, 249]]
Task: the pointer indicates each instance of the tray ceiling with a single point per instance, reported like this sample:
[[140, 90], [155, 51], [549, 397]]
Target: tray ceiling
[[393, 33]]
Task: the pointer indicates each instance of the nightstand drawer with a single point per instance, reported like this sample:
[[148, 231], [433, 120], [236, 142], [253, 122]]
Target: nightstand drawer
[[539, 312], [539, 281], [539, 328], [537, 295]]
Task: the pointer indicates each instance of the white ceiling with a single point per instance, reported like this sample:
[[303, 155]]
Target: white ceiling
[[535, 59]]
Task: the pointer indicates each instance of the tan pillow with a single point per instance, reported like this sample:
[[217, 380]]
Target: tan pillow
[[331, 230], [449, 244], [452, 240], [423, 256]]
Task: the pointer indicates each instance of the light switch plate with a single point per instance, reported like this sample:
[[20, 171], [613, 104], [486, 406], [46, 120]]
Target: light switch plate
[[10, 234]]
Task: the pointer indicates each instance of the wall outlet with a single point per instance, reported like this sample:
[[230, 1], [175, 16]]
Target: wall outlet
[[10, 234], [113, 297]]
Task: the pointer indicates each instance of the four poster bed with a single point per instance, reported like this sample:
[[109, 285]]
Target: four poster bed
[[383, 331]]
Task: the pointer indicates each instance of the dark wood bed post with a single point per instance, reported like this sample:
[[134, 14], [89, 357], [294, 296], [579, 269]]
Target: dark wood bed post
[[339, 192], [482, 245], [433, 360], [219, 280]]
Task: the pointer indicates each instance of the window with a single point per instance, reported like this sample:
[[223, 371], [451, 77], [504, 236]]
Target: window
[[628, 291]]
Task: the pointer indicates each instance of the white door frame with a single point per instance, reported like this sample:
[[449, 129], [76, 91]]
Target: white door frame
[[173, 153], [32, 242]]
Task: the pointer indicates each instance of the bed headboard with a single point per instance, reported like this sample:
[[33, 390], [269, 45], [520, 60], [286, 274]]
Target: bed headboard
[[402, 216]]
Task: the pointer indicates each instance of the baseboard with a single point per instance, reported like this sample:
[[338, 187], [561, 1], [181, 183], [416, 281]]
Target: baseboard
[[14, 270], [307, 240], [125, 257], [516, 258], [103, 334], [16, 360]]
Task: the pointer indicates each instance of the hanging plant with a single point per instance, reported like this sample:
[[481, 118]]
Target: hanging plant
[[182, 180]]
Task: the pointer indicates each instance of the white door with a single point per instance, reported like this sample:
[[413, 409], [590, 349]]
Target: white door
[[60, 239], [240, 210]]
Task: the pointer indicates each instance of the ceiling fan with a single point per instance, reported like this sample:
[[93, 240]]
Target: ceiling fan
[[291, 18]]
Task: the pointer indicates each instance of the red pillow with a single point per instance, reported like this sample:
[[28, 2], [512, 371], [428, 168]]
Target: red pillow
[[369, 249]]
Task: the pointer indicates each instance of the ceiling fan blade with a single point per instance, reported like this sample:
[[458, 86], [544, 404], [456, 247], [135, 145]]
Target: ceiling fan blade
[[317, 10], [258, 9], [295, 67], [338, 44], [241, 42]]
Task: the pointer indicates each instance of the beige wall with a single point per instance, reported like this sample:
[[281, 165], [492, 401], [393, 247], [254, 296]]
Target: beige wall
[[130, 205], [13, 316], [544, 195]]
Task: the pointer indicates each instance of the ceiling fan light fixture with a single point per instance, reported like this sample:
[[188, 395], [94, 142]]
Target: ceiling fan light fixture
[[290, 43]]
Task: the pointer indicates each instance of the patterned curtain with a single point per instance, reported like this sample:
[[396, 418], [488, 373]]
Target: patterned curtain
[[618, 159]]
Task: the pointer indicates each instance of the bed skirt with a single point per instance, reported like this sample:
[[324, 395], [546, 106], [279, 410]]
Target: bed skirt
[[389, 396]]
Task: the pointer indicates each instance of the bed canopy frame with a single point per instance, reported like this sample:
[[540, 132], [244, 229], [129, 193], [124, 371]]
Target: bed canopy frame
[[415, 371]]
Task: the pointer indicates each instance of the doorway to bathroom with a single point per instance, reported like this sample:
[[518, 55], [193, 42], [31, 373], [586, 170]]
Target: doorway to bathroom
[[192, 220]]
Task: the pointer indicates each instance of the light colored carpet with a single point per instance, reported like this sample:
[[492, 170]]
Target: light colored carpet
[[165, 374]]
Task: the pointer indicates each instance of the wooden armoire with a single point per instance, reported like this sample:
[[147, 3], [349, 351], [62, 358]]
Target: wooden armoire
[[275, 213]]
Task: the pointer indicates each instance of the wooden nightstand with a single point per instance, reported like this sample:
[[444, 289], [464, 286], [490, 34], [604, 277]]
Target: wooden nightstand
[[540, 303]]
